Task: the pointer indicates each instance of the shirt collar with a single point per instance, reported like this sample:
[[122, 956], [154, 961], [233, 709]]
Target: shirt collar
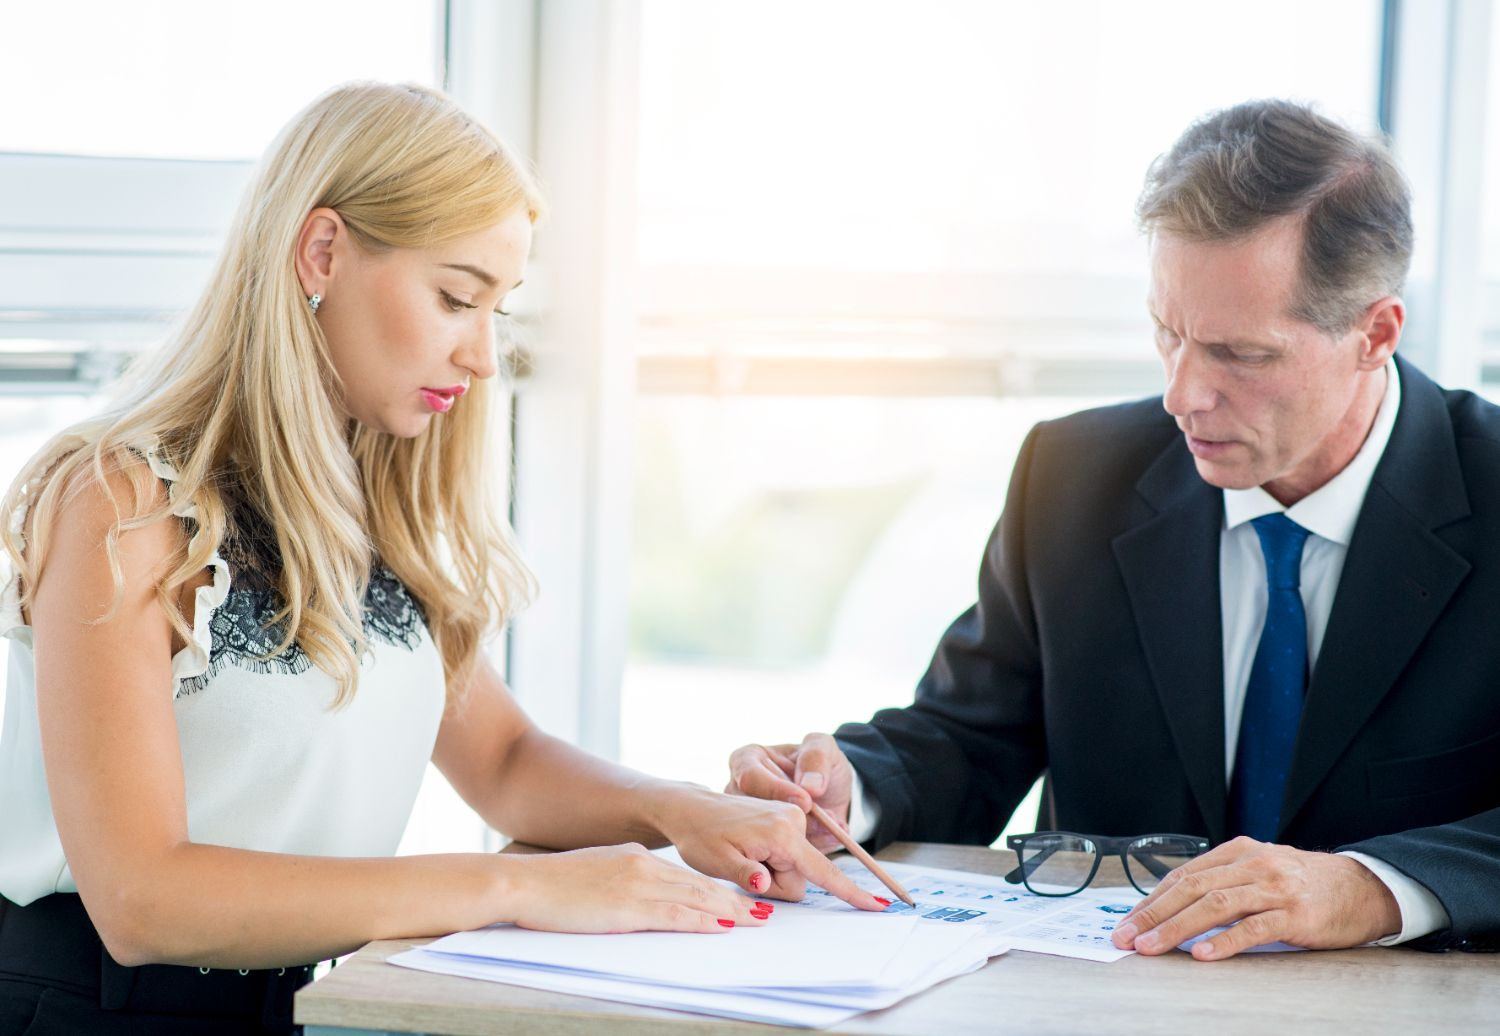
[[1331, 510]]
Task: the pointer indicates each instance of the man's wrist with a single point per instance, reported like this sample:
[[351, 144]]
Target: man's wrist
[[1421, 913], [1385, 919], [864, 810]]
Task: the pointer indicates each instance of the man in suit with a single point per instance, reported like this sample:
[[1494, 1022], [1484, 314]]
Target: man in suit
[[1263, 608]]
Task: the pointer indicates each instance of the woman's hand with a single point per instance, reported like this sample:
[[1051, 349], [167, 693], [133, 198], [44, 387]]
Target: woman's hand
[[619, 888], [759, 845]]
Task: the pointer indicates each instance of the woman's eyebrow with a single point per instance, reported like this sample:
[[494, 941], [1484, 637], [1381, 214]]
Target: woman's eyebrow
[[489, 280]]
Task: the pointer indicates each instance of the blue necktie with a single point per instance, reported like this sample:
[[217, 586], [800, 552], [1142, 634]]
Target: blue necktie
[[1278, 685]]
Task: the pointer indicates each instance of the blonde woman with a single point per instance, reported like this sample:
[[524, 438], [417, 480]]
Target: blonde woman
[[246, 607]]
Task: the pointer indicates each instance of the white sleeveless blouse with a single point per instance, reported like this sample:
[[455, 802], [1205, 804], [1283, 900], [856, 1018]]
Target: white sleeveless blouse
[[266, 765]]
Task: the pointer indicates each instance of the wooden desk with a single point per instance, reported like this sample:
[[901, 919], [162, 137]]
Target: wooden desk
[[1363, 991]]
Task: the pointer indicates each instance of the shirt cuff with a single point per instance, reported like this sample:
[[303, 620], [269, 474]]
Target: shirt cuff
[[864, 811], [1421, 912]]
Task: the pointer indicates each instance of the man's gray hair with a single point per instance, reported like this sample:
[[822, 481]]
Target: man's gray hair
[[1237, 169]]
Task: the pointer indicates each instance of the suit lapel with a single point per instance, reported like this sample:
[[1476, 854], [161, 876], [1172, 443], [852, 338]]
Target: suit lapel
[[1169, 560], [1398, 576]]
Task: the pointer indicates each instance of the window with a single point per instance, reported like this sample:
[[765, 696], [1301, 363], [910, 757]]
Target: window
[[177, 79], [120, 172], [1489, 266], [874, 249]]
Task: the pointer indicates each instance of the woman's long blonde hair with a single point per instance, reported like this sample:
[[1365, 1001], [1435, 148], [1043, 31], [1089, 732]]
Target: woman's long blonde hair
[[227, 399]]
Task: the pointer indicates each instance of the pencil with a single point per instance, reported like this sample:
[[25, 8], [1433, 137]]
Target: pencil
[[855, 850]]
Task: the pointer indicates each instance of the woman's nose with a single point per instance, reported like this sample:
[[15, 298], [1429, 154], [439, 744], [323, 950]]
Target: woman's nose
[[477, 355]]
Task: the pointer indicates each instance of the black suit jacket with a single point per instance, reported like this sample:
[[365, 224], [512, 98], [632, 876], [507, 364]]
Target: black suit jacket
[[1095, 652]]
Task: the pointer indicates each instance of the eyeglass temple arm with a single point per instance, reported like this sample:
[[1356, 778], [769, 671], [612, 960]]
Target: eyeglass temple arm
[[1027, 867], [1158, 869]]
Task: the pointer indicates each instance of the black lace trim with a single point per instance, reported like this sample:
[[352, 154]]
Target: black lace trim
[[242, 631], [241, 627]]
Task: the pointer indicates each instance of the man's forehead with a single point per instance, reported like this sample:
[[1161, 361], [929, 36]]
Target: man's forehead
[[1232, 285]]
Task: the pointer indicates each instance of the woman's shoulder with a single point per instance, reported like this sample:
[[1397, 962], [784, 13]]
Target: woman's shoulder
[[92, 525], [122, 487]]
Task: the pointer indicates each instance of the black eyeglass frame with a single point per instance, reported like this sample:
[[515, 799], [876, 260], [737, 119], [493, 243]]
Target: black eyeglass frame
[[1104, 845]]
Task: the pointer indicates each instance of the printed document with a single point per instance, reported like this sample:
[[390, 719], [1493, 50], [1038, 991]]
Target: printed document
[[817, 963]]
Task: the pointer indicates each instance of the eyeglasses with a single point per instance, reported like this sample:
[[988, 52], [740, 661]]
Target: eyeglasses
[[1051, 862]]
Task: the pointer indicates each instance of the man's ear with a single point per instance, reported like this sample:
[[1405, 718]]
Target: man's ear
[[1380, 331]]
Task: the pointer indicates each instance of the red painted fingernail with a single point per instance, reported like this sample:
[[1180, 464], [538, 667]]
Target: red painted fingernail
[[767, 907], [756, 881], [883, 902], [760, 915], [726, 922]]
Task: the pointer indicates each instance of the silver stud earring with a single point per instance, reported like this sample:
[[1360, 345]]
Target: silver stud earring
[[315, 301]]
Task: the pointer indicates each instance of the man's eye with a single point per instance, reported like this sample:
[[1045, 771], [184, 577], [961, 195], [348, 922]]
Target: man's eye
[[1248, 359]]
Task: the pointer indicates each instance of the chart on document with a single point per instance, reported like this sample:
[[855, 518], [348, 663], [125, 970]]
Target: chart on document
[[1072, 926]]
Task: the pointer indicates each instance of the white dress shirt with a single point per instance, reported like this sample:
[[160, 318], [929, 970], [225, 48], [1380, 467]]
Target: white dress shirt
[[1329, 515]]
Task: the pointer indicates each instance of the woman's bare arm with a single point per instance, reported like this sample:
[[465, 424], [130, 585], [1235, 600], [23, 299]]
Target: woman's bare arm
[[513, 774], [542, 790], [114, 771]]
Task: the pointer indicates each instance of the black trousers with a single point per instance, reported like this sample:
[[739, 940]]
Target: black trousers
[[57, 978]]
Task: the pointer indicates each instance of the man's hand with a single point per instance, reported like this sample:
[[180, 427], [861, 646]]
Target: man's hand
[[814, 771], [1276, 894]]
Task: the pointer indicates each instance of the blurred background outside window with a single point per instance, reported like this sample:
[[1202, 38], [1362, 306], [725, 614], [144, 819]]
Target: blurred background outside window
[[875, 249]]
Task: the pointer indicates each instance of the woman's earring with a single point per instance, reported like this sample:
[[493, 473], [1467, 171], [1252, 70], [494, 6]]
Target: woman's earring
[[315, 301]]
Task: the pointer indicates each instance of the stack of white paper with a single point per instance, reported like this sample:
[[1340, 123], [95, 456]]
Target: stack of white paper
[[817, 963], [814, 964]]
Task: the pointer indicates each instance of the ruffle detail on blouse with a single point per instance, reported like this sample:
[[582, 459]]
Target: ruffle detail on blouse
[[193, 659], [11, 624]]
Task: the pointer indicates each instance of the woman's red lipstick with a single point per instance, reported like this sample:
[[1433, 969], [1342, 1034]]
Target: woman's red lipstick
[[441, 400]]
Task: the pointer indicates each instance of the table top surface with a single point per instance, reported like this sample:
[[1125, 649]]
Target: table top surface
[[1363, 990]]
